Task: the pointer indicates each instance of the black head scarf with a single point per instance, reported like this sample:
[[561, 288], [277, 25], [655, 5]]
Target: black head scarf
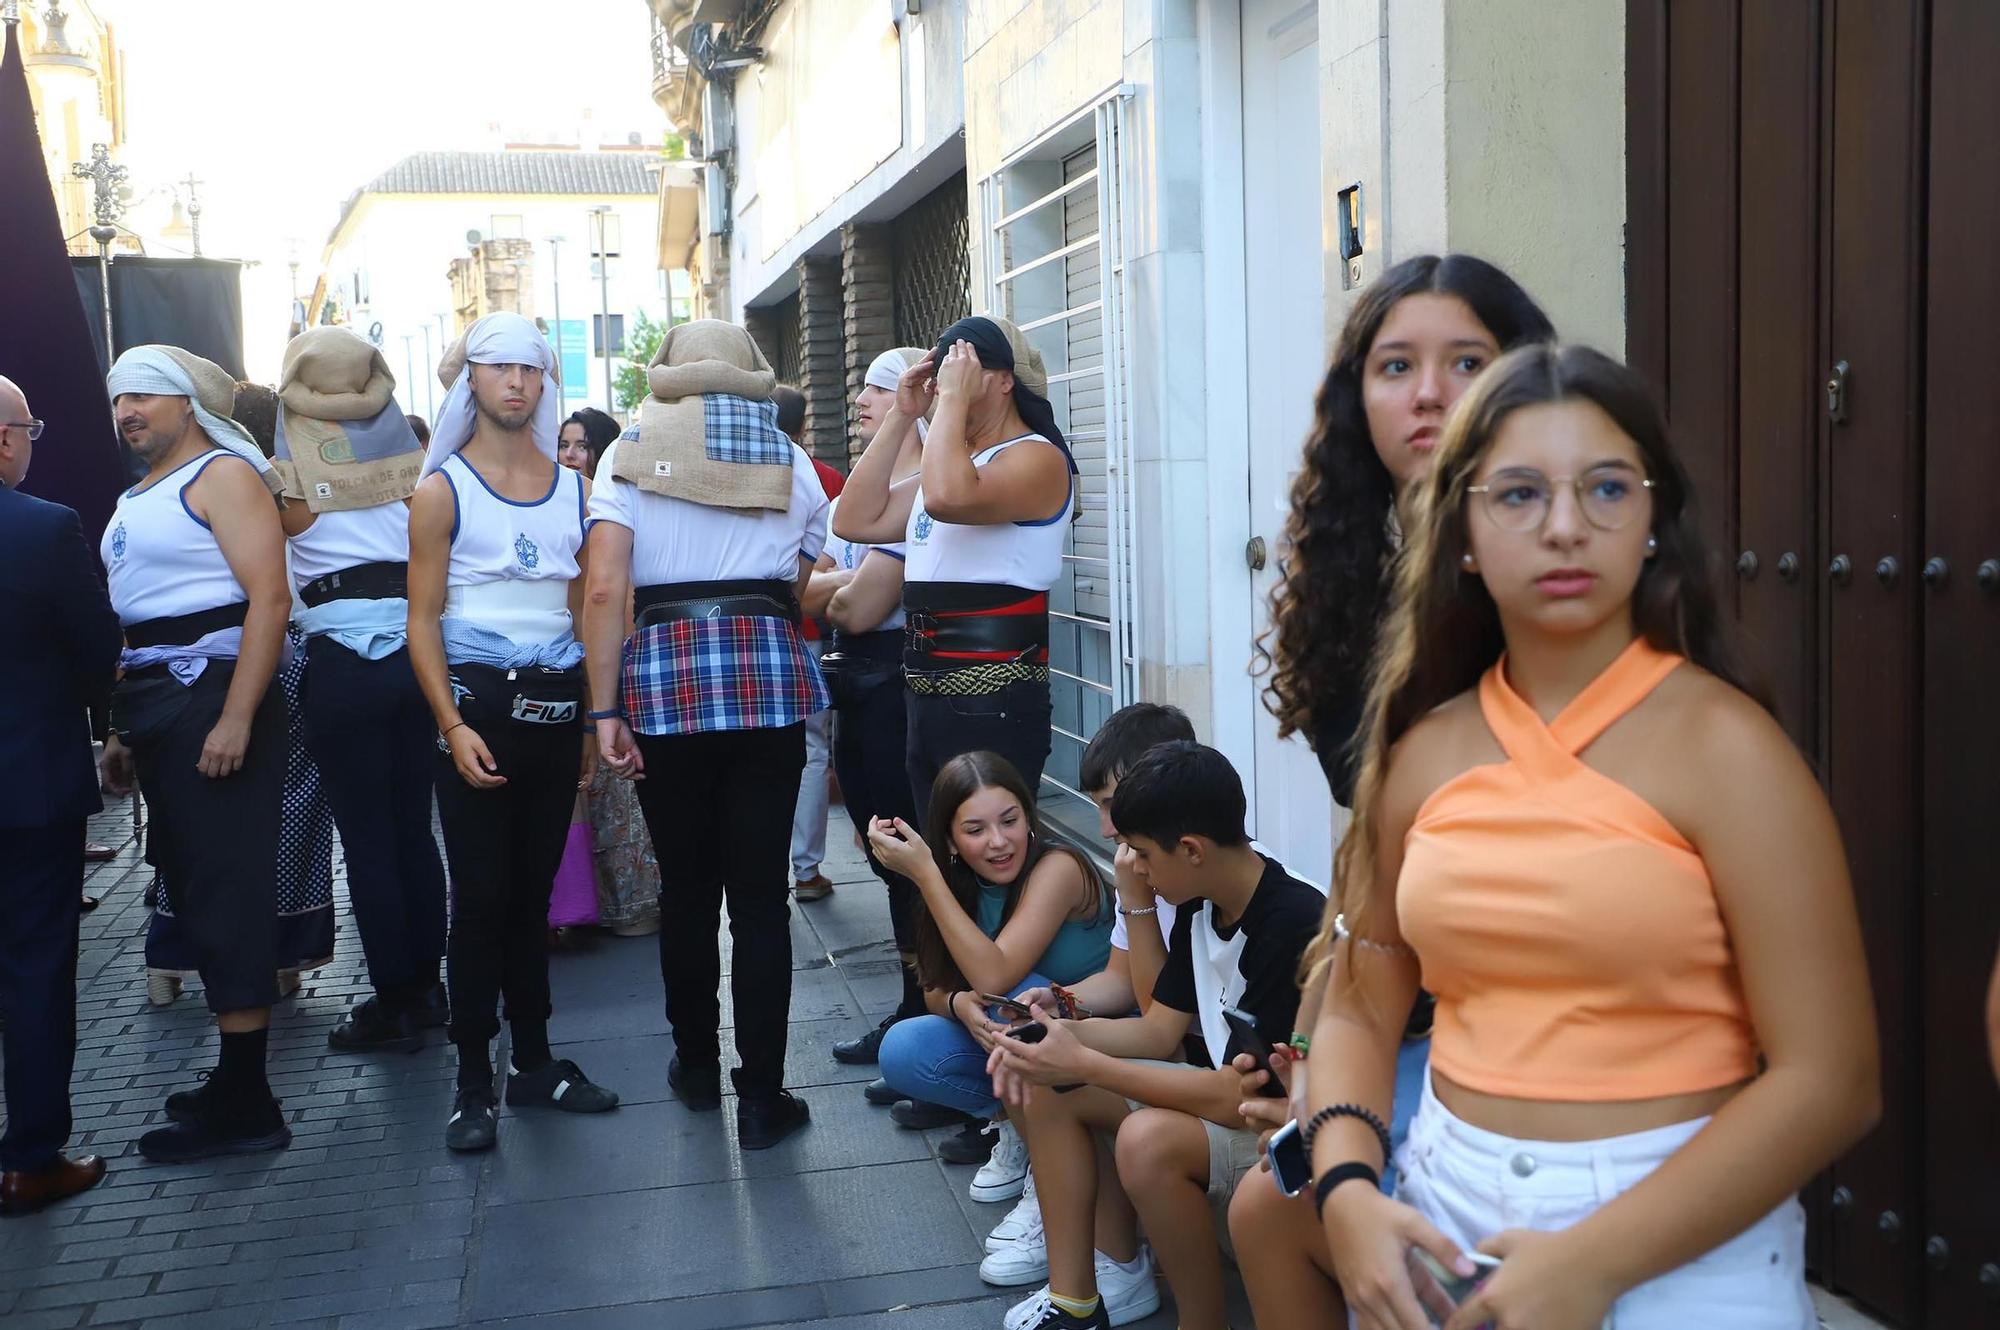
[[996, 352]]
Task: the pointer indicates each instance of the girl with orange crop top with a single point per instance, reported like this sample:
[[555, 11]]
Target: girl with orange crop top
[[1622, 883]]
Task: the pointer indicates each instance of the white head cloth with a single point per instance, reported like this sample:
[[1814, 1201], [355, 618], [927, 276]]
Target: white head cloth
[[497, 339], [152, 370], [887, 369]]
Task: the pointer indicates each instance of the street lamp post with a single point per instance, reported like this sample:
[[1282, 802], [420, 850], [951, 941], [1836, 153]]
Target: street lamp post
[[409, 366], [430, 378], [603, 212], [106, 176], [555, 280]]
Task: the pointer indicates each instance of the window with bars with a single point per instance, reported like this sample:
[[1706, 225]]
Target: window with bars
[[1055, 265]]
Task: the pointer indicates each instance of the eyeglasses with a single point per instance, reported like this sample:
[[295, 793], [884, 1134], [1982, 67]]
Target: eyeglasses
[[1519, 499], [34, 427]]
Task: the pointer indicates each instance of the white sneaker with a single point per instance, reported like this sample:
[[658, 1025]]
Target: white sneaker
[[1028, 1212], [1005, 1172], [1025, 1260], [1128, 1296]]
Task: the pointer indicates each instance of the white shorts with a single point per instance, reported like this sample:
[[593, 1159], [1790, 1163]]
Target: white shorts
[[1473, 1184]]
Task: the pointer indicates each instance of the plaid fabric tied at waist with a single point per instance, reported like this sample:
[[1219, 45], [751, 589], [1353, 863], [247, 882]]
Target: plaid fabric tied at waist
[[692, 676]]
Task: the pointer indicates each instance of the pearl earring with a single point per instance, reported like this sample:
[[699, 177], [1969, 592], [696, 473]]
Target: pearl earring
[[1652, 544], [1466, 559]]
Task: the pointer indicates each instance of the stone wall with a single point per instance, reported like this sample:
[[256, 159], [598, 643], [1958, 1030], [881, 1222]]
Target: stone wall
[[868, 280], [823, 359]]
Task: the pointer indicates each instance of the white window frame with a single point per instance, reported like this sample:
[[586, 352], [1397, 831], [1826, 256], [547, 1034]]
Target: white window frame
[[1105, 121]]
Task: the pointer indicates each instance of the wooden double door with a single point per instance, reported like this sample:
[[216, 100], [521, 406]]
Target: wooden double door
[[1814, 283]]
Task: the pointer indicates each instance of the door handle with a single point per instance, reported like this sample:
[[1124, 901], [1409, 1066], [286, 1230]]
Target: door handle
[[1836, 392], [1255, 555]]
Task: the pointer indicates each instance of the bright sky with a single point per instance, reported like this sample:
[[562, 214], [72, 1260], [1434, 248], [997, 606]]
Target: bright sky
[[285, 107]]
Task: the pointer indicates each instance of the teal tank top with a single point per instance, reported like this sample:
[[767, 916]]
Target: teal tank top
[[1079, 948]]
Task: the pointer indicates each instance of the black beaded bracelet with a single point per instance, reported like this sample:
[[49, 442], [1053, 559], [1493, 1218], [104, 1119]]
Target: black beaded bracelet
[[1338, 1174], [1356, 1111]]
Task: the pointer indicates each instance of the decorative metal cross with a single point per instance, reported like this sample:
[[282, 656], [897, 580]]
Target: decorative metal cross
[[107, 176], [194, 209]]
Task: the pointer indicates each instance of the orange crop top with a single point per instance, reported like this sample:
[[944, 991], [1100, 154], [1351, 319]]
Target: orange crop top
[[1570, 933]]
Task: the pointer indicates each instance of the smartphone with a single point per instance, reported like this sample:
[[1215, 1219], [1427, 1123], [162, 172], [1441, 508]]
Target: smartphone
[[1248, 1039], [1290, 1168], [1439, 1291], [1031, 1033], [1018, 1010]]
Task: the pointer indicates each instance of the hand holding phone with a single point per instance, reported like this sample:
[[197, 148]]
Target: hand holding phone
[[1012, 1007], [1248, 1039], [1439, 1291]]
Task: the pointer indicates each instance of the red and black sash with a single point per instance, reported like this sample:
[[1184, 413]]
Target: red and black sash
[[951, 625]]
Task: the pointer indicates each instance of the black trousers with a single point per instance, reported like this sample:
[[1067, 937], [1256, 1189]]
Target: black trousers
[[372, 735], [504, 846], [1013, 722], [870, 756], [719, 807], [216, 841], [41, 886]]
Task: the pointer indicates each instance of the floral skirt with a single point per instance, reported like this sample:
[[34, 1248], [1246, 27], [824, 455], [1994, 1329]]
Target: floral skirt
[[628, 875]]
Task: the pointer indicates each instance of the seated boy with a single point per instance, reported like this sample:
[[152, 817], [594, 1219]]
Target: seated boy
[[1016, 1253], [1181, 1144]]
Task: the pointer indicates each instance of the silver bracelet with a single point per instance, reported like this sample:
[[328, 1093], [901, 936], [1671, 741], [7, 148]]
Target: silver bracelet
[[1150, 909], [1343, 933]]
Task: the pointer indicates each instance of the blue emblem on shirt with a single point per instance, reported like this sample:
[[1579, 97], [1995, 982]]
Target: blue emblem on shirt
[[118, 541], [847, 556], [527, 552], [924, 524]]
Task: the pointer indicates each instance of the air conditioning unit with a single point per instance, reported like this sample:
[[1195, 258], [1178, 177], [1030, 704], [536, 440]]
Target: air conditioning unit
[[718, 119], [715, 197]]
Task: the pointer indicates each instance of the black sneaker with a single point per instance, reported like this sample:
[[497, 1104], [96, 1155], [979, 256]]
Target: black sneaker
[[866, 1049], [880, 1093], [700, 1088], [763, 1121], [475, 1120], [218, 1128], [919, 1116], [433, 1011], [972, 1145], [189, 1106], [560, 1084], [1055, 1318], [370, 1027]]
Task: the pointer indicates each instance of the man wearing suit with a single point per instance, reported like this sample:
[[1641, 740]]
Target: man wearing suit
[[62, 643]]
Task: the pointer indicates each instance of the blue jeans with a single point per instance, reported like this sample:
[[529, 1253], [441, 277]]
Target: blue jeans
[[935, 1060], [1412, 1060]]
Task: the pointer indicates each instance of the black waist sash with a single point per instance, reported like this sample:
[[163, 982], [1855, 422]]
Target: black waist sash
[[952, 625], [364, 581], [181, 630], [753, 597]]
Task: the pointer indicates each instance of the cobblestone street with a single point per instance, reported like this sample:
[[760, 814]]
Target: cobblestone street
[[646, 1216]]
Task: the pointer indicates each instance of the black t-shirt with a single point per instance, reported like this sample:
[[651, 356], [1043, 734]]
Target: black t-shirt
[[1261, 976]]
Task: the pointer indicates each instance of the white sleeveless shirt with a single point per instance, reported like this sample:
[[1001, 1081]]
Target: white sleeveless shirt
[[160, 560], [848, 555], [1020, 554], [512, 563], [337, 541]]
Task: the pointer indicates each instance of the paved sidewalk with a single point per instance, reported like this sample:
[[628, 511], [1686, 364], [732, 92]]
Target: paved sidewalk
[[648, 1216]]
